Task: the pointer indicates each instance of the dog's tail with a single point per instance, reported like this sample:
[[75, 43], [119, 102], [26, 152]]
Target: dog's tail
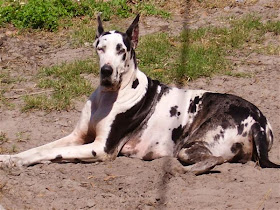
[[262, 141]]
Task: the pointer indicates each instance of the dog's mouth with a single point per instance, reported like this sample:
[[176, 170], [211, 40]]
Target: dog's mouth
[[106, 83]]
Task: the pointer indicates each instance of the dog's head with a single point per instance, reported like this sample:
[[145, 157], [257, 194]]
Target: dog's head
[[116, 54]]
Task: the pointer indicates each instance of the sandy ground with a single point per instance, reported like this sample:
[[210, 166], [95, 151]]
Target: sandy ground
[[131, 183]]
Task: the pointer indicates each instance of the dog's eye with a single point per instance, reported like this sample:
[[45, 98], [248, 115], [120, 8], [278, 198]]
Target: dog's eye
[[121, 51]]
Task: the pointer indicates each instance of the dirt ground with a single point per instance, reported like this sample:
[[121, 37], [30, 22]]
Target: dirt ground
[[131, 183]]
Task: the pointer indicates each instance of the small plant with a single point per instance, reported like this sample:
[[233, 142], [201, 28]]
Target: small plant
[[3, 138]]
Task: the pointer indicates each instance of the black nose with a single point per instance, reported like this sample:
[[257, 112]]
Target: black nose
[[106, 70]]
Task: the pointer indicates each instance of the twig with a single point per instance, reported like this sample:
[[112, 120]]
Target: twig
[[267, 194], [29, 94]]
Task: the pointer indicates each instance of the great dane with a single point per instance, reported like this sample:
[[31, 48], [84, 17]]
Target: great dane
[[133, 115]]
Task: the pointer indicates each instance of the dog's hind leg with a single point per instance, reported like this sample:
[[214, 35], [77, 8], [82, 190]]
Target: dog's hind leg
[[198, 158], [261, 147]]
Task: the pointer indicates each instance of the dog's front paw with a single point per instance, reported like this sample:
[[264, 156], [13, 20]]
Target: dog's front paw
[[9, 161]]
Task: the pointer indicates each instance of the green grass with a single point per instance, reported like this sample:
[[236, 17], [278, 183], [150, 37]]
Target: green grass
[[67, 83], [47, 14]]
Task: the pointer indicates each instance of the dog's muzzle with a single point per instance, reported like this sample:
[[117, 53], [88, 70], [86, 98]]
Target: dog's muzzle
[[106, 72]]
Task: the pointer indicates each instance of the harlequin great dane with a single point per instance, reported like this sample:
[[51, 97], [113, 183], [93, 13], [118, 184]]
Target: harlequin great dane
[[133, 115]]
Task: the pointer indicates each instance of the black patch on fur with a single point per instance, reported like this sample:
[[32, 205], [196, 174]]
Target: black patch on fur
[[124, 57], [225, 124], [240, 129], [118, 47], [177, 133], [193, 103], [217, 137], [196, 152], [148, 156], [240, 156], [236, 147], [106, 33], [173, 111], [97, 43], [133, 118], [93, 153], [135, 83], [222, 132], [58, 157], [126, 40], [244, 134], [163, 91], [238, 113]]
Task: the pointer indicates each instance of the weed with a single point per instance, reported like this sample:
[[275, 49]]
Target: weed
[[3, 138]]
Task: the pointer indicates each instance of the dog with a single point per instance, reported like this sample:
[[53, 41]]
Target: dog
[[132, 115]]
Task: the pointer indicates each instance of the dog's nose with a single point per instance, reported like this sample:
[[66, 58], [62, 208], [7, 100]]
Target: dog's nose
[[106, 70]]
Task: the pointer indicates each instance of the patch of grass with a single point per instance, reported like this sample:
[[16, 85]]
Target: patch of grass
[[201, 52], [170, 59], [3, 138], [67, 83], [47, 14]]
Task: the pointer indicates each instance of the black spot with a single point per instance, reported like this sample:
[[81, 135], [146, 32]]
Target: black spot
[[225, 124], [58, 157], [217, 137], [97, 43], [240, 129], [106, 33], [244, 134], [193, 103], [177, 133], [173, 111], [246, 124], [93, 153], [222, 132], [124, 57], [196, 152], [163, 91], [236, 147], [148, 156], [157, 142], [238, 113], [179, 113], [133, 118], [135, 83], [77, 160], [126, 40]]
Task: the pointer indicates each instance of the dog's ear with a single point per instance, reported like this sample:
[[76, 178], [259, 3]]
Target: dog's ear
[[133, 31], [100, 28]]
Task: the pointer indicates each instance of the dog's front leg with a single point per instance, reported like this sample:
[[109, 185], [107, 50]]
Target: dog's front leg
[[88, 153]]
